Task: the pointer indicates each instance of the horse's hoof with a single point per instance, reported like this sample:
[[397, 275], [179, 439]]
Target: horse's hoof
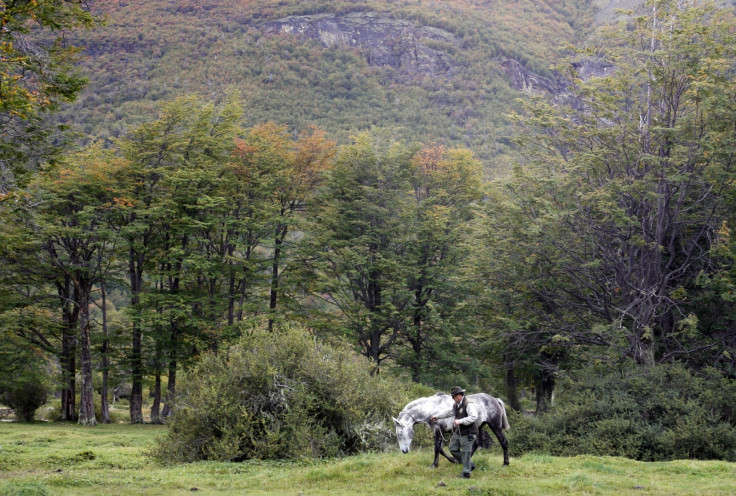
[[433, 466]]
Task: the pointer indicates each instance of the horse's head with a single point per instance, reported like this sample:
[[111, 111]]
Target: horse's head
[[404, 432]]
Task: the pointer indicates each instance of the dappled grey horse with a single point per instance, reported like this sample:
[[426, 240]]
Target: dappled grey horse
[[491, 412]]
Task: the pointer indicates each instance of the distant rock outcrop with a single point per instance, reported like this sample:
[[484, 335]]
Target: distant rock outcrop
[[398, 43], [556, 86], [522, 79]]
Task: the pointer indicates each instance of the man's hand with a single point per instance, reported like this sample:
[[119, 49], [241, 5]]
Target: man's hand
[[457, 422], [433, 419]]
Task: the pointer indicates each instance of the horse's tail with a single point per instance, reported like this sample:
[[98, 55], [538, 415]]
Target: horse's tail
[[504, 419]]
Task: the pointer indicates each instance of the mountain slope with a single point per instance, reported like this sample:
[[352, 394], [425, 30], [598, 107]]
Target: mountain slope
[[435, 70]]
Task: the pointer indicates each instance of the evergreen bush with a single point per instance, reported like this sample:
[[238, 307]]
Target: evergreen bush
[[26, 389], [664, 412], [281, 395]]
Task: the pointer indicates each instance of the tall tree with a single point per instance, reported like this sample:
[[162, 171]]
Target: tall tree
[[635, 174], [298, 178], [68, 210], [447, 189], [359, 241], [171, 187]]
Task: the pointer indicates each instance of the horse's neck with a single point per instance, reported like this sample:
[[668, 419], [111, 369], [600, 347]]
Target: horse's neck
[[413, 414], [422, 412]]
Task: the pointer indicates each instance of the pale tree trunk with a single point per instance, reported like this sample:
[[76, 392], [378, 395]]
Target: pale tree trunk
[[156, 404]]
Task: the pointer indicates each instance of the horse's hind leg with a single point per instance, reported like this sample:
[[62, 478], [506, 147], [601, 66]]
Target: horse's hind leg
[[476, 442], [498, 431]]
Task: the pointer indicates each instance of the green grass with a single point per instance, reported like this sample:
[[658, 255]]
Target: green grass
[[64, 459]]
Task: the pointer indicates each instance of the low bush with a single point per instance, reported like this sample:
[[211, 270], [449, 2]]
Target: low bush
[[658, 413], [281, 395], [26, 390]]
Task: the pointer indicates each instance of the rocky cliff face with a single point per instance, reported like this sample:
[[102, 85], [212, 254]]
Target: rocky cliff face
[[412, 49], [523, 79], [397, 43], [555, 87]]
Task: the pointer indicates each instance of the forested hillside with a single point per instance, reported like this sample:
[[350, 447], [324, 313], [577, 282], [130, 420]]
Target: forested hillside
[[155, 50]]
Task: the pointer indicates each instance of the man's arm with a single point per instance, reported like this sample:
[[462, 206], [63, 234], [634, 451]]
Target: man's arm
[[472, 415], [445, 414]]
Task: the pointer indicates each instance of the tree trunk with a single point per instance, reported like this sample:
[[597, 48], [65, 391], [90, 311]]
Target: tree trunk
[[135, 264], [171, 391], [416, 345], [512, 386], [642, 350], [104, 406], [70, 318], [69, 372], [156, 406], [278, 246], [136, 387], [86, 401], [231, 294], [545, 385]]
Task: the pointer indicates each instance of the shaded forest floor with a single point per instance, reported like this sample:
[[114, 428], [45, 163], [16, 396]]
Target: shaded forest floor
[[67, 459]]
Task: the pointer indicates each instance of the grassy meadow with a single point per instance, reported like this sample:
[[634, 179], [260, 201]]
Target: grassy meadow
[[67, 459]]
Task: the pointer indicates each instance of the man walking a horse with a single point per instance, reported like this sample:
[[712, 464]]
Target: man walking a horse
[[465, 429], [489, 410]]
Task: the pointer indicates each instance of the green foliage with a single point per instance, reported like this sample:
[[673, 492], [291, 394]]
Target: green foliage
[[26, 375], [635, 172], [658, 413], [359, 240], [34, 78], [384, 242], [26, 387], [280, 395]]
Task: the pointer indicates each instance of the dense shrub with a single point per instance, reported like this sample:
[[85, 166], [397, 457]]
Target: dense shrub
[[658, 413], [26, 389], [281, 395]]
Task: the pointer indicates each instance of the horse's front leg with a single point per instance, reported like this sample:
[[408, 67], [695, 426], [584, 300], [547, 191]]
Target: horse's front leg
[[438, 440], [439, 447]]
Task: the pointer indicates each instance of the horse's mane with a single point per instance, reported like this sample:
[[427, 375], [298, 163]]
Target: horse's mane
[[419, 406]]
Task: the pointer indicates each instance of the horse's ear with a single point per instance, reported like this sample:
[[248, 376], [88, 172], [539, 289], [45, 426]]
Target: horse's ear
[[396, 421]]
